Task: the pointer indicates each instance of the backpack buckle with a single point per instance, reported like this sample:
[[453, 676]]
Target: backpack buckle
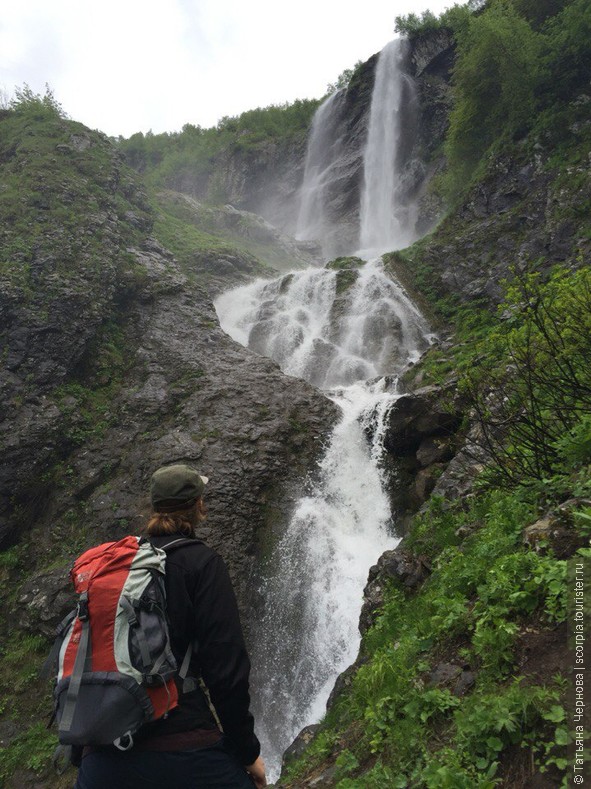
[[82, 607]]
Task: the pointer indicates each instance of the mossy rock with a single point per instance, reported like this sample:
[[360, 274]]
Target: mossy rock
[[345, 263]]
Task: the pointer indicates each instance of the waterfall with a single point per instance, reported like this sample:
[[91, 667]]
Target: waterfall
[[388, 201], [329, 338], [336, 338], [322, 157], [349, 332]]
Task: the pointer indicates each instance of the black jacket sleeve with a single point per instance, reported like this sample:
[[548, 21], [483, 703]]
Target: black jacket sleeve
[[224, 662]]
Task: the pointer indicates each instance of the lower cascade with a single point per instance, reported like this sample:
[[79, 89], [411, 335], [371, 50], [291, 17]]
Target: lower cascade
[[345, 340]]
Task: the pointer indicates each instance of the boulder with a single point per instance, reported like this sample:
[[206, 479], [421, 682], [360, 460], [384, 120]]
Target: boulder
[[557, 532], [429, 412], [399, 566], [44, 600], [299, 745], [459, 679]]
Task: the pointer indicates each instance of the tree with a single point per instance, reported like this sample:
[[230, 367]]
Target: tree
[[27, 101], [494, 82], [343, 79]]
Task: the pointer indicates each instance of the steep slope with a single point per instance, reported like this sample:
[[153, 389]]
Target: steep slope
[[114, 363]]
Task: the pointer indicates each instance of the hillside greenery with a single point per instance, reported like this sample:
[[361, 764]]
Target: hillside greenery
[[520, 68], [165, 159]]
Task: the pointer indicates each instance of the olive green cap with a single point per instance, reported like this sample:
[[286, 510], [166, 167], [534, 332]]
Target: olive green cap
[[175, 486]]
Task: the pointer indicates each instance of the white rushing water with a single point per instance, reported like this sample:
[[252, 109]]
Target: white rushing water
[[388, 212], [315, 577], [350, 333], [329, 338], [322, 157]]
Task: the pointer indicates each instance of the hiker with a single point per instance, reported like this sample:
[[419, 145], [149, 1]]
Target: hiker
[[186, 749]]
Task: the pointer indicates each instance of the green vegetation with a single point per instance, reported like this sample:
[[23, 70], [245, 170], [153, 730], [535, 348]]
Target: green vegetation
[[25, 699], [199, 235], [539, 357], [187, 160], [345, 263], [520, 66], [58, 202], [344, 79]]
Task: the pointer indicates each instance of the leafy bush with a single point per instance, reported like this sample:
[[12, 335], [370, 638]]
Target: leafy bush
[[26, 101], [539, 358]]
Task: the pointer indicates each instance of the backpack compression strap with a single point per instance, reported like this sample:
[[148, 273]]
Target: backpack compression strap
[[83, 657]]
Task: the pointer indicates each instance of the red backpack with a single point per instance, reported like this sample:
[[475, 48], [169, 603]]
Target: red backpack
[[116, 670]]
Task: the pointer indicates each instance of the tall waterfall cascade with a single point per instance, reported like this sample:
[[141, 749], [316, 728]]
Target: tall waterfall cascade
[[322, 157], [344, 343], [351, 333], [388, 209]]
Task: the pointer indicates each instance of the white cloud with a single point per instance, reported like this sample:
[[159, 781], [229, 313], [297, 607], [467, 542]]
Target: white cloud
[[130, 65]]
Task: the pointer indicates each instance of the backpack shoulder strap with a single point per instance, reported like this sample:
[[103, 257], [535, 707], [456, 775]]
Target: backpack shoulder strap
[[174, 544], [189, 683], [178, 543]]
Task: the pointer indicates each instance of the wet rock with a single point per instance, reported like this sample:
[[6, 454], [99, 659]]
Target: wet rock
[[398, 565], [8, 731], [515, 214], [557, 532], [444, 674], [326, 779], [457, 479], [427, 413], [435, 449], [428, 50], [27, 779], [426, 480], [457, 678], [299, 745], [345, 678]]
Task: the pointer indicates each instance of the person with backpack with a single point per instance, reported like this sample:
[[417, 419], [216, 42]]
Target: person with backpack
[[200, 732]]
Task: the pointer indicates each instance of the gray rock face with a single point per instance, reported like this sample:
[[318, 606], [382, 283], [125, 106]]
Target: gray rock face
[[116, 368], [261, 249], [422, 422], [398, 565], [299, 745], [423, 434], [519, 214]]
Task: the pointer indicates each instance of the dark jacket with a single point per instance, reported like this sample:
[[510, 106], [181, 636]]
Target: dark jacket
[[202, 607]]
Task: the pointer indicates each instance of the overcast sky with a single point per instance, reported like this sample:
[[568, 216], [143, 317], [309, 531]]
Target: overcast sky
[[133, 65]]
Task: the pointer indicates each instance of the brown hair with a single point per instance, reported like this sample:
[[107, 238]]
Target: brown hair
[[183, 521]]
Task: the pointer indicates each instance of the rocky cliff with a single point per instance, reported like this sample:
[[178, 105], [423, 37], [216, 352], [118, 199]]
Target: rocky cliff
[[114, 364]]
